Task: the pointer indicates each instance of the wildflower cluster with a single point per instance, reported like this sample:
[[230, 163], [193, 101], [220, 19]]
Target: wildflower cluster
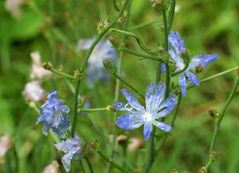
[[55, 116], [160, 97]]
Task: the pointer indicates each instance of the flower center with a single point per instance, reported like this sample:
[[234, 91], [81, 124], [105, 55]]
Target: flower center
[[147, 117]]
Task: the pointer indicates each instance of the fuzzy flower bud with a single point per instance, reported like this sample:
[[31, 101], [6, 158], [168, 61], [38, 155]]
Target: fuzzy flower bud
[[109, 66]]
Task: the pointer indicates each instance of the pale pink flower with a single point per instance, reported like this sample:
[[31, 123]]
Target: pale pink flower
[[38, 72]]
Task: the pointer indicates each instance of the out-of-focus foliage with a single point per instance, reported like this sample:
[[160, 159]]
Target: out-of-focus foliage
[[54, 27]]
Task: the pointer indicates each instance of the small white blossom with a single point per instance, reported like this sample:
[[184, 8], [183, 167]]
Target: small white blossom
[[33, 91]]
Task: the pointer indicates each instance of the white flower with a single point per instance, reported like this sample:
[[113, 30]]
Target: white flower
[[33, 91]]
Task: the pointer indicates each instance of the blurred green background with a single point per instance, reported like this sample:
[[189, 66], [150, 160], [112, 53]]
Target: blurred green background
[[53, 28]]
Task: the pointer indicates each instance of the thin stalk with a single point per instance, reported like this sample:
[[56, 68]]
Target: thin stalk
[[117, 86], [89, 164], [127, 84], [82, 166], [62, 74], [115, 5], [94, 109], [208, 78], [168, 77], [217, 125], [85, 61], [139, 41], [171, 14], [112, 163], [144, 56], [142, 25], [74, 122], [102, 33], [165, 137], [151, 156]]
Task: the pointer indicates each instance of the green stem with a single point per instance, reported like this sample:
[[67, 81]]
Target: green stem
[[94, 109], [115, 5], [151, 153], [140, 43], [208, 78], [218, 121], [89, 164], [99, 37], [165, 137], [144, 56], [74, 122], [111, 162], [168, 77], [82, 166], [171, 14], [85, 61], [141, 25], [127, 84], [117, 86], [62, 74]]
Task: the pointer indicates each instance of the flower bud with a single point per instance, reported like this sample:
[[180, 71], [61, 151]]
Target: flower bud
[[158, 4], [47, 65], [213, 113], [199, 69], [102, 25], [109, 66], [77, 74], [95, 145], [110, 108], [115, 41]]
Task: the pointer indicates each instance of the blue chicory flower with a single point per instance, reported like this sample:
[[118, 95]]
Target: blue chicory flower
[[72, 148], [176, 49], [103, 50], [54, 115], [155, 108]]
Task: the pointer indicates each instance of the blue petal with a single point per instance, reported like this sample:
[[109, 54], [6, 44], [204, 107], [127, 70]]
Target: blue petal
[[202, 60], [192, 77], [147, 130], [119, 106], [154, 96], [163, 126], [167, 106], [52, 95], [64, 108], [178, 60], [66, 161], [183, 84], [176, 42], [129, 121], [132, 101], [163, 68]]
